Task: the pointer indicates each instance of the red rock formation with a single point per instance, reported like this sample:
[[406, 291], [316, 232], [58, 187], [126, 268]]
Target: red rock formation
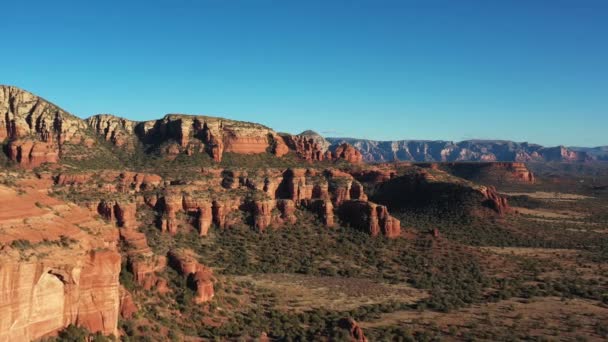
[[40, 298], [116, 130], [141, 261], [172, 204], [205, 218], [121, 212], [511, 171], [347, 152], [435, 233], [262, 213], [244, 144], [127, 305], [305, 147], [30, 154], [106, 210], [287, 209], [357, 192], [183, 262], [389, 226], [280, 148], [35, 128], [340, 187], [144, 268], [219, 214], [77, 284], [125, 214], [370, 217], [494, 200], [374, 175], [203, 280], [324, 210], [354, 330], [141, 181], [295, 185], [271, 185], [73, 179], [187, 266]]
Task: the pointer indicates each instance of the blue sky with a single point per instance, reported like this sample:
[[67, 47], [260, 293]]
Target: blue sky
[[520, 70]]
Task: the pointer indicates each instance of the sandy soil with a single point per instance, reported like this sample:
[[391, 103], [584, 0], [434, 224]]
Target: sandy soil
[[554, 196], [549, 316], [301, 292]]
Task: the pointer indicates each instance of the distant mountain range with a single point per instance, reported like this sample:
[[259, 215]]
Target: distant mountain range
[[468, 150], [599, 153], [34, 131]]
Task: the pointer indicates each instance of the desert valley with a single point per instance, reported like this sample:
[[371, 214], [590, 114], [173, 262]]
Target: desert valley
[[198, 228]]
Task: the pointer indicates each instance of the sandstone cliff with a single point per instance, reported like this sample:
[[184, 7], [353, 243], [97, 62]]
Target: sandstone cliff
[[59, 266], [36, 129], [268, 198], [36, 132]]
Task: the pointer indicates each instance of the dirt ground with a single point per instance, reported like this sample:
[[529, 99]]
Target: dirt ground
[[551, 317], [301, 292]]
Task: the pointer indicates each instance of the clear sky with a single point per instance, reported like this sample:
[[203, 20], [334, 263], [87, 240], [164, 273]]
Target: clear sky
[[520, 70]]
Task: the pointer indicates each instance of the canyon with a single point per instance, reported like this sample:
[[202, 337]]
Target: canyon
[[107, 220]]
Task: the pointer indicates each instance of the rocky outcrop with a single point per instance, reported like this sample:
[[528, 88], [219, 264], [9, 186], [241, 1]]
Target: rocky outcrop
[[72, 278], [113, 181], [597, 153], [127, 305], [324, 210], [172, 203], [141, 261], [348, 153], [375, 175], [23, 115], [36, 131], [279, 147], [67, 274], [287, 209], [262, 213], [192, 134], [273, 199], [113, 129], [369, 217], [494, 200], [42, 298], [343, 187], [205, 218], [486, 172], [224, 198], [355, 332], [203, 280], [73, 178], [306, 147], [296, 185], [122, 213], [35, 128], [311, 147], [199, 275], [30, 154]]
